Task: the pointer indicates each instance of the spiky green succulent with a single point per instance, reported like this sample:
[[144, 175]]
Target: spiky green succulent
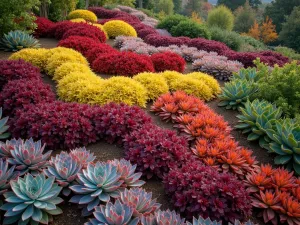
[[128, 175], [28, 156], [140, 201], [286, 143], [256, 117], [83, 156], [6, 174], [162, 218], [113, 214], [235, 93], [249, 74], [97, 183], [17, 40], [3, 126], [32, 200], [65, 169]]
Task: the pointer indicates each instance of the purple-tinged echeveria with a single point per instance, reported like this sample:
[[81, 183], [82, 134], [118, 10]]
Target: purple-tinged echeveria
[[83, 156], [162, 218], [6, 174]]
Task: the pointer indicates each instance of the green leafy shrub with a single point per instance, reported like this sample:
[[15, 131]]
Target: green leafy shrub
[[232, 39], [256, 44], [171, 21], [221, 17], [190, 29], [288, 52], [281, 86], [15, 16]]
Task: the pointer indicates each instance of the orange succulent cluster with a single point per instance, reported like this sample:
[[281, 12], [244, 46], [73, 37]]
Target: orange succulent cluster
[[277, 193], [208, 132]]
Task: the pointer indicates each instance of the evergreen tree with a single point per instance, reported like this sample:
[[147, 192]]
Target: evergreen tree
[[177, 6], [234, 4], [192, 6], [245, 17]]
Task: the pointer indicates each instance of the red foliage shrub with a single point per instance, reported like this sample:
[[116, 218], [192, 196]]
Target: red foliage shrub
[[114, 121], [142, 33], [168, 61], [88, 31], [208, 45], [123, 63], [103, 13], [17, 69], [98, 50], [79, 43], [158, 40], [276, 193], [155, 150], [44, 27], [59, 125], [200, 190], [16, 94], [60, 28]]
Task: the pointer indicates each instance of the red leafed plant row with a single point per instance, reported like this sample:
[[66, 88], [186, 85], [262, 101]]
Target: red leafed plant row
[[191, 164]]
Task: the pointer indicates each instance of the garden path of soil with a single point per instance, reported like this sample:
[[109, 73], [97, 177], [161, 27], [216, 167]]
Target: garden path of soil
[[104, 151]]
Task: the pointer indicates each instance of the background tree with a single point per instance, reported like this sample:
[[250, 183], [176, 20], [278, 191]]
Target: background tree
[[234, 4], [244, 18], [290, 34], [221, 17], [59, 9], [254, 31], [166, 6], [279, 9], [192, 6], [177, 6], [205, 9]]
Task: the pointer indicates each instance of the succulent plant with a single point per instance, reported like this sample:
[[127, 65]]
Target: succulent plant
[[32, 200], [237, 222], [6, 174], [256, 118], [128, 175], [5, 148], [202, 221], [3, 126], [113, 214], [249, 74], [285, 142], [64, 168], [83, 156], [28, 156], [162, 218], [98, 182], [236, 93], [140, 201], [17, 40]]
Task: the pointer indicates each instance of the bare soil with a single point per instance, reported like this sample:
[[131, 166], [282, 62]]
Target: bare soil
[[105, 151]]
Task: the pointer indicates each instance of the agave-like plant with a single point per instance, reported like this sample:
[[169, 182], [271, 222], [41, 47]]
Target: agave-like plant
[[64, 168], [28, 156], [128, 175], [32, 200], [3, 126], [83, 156], [140, 201], [286, 143], [236, 93], [249, 74], [6, 174], [202, 221], [113, 214], [17, 40], [257, 117], [162, 218], [98, 182]]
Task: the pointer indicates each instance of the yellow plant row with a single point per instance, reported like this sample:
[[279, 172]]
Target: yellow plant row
[[76, 82], [111, 28]]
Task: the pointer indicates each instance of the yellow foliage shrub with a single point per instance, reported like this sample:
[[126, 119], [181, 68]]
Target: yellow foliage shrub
[[58, 59], [76, 76], [123, 89], [193, 87], [170, 77], [83, 14], [78, 20], [101, 28], [36, 57], [208, 80], [154, 83], [70, 67], [116, 28]]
